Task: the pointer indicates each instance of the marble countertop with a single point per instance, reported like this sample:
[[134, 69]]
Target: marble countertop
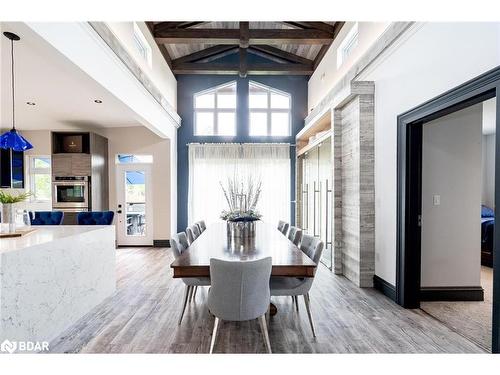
[[45, 234]]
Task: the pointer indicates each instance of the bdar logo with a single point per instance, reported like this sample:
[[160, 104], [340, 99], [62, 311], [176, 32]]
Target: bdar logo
[[8, 346]]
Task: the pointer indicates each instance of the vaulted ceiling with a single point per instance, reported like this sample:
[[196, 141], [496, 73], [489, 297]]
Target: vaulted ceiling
[[282, 48]]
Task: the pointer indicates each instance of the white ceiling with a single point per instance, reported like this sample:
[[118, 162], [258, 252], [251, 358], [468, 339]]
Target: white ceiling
[[64, 94]]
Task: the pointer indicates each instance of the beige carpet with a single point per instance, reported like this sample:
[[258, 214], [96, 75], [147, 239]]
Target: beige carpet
[[470, 319]]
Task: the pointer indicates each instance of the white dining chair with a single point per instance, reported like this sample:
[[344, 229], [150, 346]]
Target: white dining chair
[[293, 286], [179, 244], [192, 232], [295, 235], [201, 224], [240, 292], [283, 227]]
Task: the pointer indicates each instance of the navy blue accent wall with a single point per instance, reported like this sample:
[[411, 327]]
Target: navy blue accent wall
[[188, 85]]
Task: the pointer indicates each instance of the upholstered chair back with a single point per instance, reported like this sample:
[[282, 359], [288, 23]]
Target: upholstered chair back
[[283, 227], [95, 218], [295, 235], [201, 224], [193, 232], [240, 290], [179, 244], [46, 217], [312, 247]]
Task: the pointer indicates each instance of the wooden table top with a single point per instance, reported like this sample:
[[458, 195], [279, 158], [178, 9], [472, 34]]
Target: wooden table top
[[288, 259]]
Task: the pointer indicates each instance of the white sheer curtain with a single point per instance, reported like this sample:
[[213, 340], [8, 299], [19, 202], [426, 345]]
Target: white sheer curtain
[[211, 163]]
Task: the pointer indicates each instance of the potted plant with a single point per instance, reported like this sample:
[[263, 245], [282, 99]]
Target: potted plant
[[242, 199], [9, 201]]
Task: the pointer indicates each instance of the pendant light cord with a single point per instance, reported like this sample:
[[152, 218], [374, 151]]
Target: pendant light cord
[[13, 92]]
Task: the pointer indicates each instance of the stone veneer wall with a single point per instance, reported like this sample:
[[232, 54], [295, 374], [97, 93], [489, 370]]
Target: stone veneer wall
[[354, 193]]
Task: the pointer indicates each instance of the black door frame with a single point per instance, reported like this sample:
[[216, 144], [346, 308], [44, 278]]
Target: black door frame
[[409, 187]]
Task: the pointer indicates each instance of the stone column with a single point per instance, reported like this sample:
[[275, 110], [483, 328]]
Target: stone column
[[354, 188]]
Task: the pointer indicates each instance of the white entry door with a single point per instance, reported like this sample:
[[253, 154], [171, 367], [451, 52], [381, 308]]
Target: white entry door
[[134, 205]]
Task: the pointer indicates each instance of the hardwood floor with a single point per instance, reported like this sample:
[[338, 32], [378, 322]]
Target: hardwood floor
[[141, 317]]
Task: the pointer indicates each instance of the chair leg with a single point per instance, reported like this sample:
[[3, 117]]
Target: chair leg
[[263, 327], [194, 293], [214, 335], [307, 301], [186, 296], [268, 315], [191, 290]]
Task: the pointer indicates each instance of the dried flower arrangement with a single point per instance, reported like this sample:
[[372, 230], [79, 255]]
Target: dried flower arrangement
[[242, 199]]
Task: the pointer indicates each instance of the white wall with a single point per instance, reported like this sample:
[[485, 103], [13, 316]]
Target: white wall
[[428, 60], [158, 72], [326, 74], [451, 170]]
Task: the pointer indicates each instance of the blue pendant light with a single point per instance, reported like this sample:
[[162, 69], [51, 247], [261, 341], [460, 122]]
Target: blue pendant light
[[12, 139]]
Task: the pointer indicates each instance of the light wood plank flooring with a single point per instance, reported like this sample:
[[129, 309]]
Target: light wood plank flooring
[[141, 317]]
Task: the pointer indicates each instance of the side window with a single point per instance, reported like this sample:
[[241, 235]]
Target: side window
[[349, 43], [39, 176]]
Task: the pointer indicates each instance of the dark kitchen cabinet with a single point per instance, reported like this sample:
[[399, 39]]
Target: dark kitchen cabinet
[[11, 169]]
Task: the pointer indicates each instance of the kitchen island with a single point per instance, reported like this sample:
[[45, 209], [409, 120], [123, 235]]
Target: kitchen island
[[52, 277]]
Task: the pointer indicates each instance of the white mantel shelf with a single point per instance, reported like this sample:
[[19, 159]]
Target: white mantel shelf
[[52, 277]]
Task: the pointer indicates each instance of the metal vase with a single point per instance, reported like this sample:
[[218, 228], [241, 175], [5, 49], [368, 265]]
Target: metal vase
[[8, 218], [241, 229]]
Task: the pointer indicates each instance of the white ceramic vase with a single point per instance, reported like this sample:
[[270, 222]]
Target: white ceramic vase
[[8, 218]]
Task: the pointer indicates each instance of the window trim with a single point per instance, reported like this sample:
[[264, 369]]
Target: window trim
[[141, 43], [215, 111], [269, 111], [347, 44], [32, 171]]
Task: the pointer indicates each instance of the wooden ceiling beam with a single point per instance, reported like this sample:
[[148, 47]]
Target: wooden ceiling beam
[[207, 54], [270, 52], [161, 26], [244, 34], [232, 36], [326, 27], [251, 69]]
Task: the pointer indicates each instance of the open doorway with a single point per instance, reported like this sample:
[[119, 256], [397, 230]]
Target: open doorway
[[411, 134], [458, 169]]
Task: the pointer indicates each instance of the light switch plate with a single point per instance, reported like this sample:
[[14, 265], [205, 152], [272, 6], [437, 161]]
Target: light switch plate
[[436, 200]]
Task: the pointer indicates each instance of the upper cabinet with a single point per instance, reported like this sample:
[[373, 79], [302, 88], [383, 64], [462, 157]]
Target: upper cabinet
[[71, 143], [11, 169]]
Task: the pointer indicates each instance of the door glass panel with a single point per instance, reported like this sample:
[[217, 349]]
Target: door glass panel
[[135, 203]]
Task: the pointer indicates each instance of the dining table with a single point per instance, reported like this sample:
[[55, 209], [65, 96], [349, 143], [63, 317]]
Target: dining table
[[216, 242]]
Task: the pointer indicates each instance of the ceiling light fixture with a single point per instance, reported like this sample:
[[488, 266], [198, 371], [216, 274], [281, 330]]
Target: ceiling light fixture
[[98, 101], [12, 139]]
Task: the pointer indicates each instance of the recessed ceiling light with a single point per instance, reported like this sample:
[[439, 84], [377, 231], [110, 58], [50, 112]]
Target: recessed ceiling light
[[30, 103], [98, 101]]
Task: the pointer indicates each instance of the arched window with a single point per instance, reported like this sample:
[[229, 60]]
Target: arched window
[[269, 111], [215, 111]]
